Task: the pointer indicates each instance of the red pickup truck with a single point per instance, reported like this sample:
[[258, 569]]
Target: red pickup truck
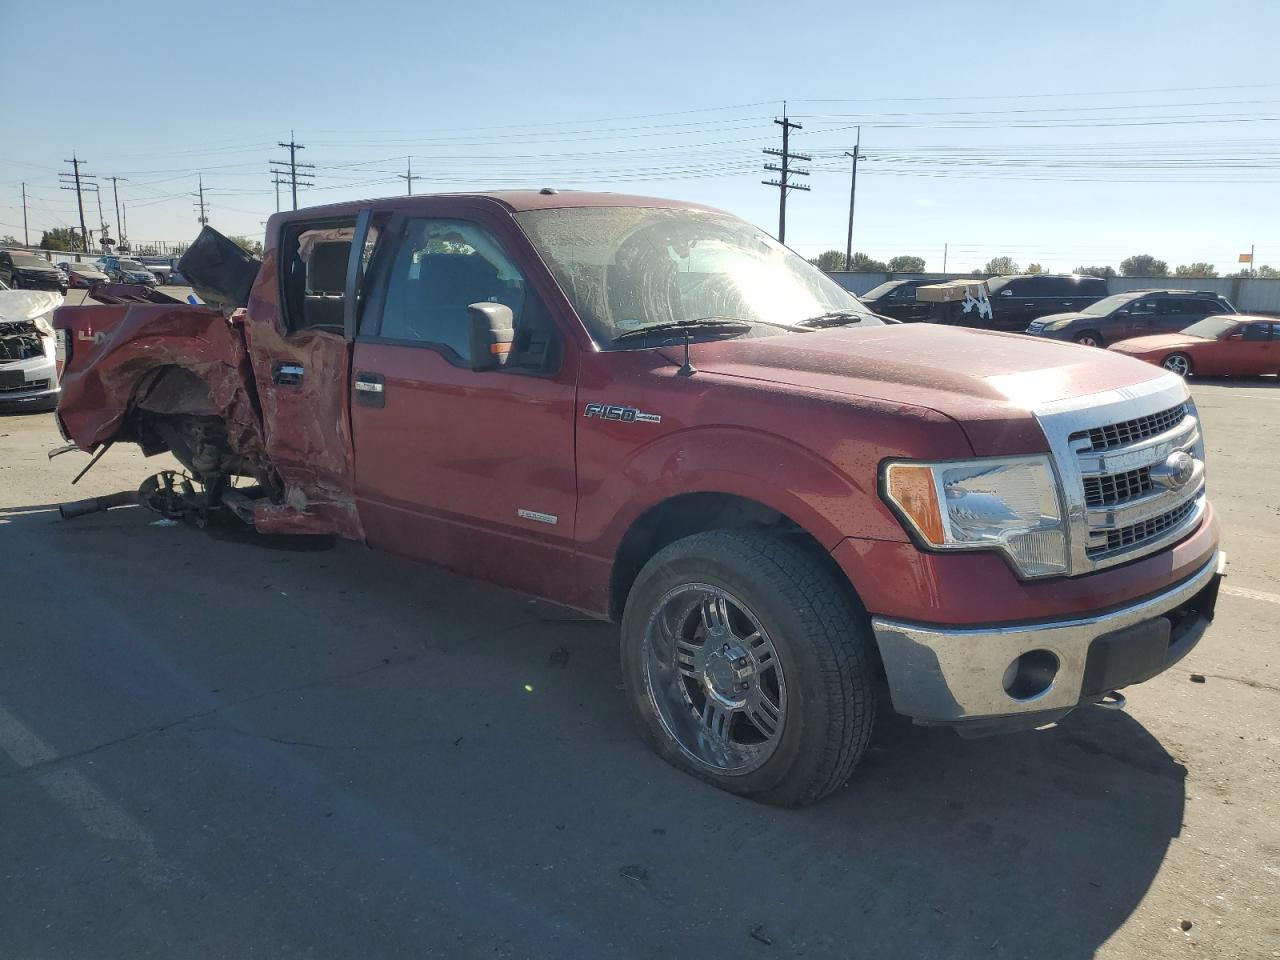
[[653, 412]]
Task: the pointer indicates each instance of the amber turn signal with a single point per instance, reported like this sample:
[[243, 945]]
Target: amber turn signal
[[911, 488]]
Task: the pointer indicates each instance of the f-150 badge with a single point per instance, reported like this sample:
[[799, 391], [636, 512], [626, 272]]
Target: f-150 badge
[[609, 411]]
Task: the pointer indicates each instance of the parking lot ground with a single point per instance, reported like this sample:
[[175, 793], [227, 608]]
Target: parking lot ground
[[215, 744]]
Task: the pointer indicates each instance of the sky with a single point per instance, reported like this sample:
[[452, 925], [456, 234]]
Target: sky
[[1062, 134]]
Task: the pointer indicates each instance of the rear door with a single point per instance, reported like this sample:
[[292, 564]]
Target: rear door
[[470, 470], [303, 306]]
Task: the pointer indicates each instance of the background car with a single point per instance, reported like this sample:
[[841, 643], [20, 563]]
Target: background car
[[82, 276], [1229, 345], [1018, 300], [897, 299], [124, 270], [160, 266], [1137, 313], [26, 271]]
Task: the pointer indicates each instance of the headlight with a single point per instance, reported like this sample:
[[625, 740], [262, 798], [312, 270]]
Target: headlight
[[1057, 324], [1006, 504]]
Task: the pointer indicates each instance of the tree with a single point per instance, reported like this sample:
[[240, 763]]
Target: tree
[[1001, 266], [1143, 265], [1034, 268], [1271, 273], [60, 238], [255, 246], [1096, 271], [906, 264], [829, 260], [864, 264], [8, 240], [1199, 269]]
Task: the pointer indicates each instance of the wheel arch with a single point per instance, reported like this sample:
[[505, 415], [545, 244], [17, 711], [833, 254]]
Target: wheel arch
[[684, 514]]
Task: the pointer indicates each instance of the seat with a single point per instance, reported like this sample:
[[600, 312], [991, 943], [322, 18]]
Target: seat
[[326, 282]]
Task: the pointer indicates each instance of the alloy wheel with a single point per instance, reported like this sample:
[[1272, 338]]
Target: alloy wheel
[[713, 675]]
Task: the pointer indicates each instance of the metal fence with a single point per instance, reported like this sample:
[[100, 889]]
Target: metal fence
[[1247, 294]]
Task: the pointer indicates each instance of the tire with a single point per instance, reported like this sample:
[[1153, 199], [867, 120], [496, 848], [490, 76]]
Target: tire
[[1178, 363], [809, 659], [1090, 338]]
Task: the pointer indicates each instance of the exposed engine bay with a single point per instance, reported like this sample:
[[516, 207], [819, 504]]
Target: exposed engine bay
[[23, 339]]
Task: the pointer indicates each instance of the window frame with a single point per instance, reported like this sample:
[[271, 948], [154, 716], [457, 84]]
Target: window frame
[[297, 227]]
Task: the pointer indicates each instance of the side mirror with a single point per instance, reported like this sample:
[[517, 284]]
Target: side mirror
[[492, 328], [1235, 336], [1123, 312], [1006, 293]]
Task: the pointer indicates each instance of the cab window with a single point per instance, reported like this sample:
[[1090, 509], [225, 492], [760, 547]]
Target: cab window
[[439, 269]]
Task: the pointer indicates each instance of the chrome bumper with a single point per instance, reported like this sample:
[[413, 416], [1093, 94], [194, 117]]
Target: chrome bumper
[[957, 675]]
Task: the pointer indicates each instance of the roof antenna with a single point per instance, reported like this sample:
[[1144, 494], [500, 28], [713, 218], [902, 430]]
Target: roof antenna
[[687, 369]]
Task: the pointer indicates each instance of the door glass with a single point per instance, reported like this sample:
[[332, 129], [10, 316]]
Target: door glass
[[441, 268], [1144, 308], [1257, 331]]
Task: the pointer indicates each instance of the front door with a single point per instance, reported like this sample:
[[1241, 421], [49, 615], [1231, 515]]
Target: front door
[[473, 471]]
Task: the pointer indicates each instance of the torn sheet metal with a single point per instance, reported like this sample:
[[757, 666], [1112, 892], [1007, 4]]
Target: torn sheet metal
[[128, 293], [300, 433]]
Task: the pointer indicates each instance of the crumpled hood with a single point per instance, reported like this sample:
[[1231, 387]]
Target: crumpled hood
[[986, 381], [1162, 341], [29, 305]]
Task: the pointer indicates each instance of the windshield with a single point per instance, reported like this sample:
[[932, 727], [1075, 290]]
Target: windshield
[[875, 293], [1211, 328], [629, 267], [29, 260], [1108, 304]]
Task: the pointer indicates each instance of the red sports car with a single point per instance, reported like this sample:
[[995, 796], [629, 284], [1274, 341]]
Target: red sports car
[[1229, 345]]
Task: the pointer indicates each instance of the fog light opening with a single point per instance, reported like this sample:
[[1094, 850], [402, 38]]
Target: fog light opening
[[1031, 674]]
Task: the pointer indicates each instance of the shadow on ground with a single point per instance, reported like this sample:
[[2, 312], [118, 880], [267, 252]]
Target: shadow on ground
[[338, 751]]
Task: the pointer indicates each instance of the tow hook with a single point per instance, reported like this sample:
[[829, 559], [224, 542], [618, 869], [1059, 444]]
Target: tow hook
[[1112, 701]]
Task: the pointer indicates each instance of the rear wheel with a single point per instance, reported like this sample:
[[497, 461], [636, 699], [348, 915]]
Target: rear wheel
[[1090, 338], [749, 664], [1178, 363]]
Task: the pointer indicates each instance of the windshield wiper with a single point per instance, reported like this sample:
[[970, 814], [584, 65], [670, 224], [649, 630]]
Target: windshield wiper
[[836, 318], [688, 327]]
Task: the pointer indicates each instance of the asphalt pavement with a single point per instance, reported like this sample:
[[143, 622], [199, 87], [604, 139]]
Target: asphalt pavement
[[216, 744]]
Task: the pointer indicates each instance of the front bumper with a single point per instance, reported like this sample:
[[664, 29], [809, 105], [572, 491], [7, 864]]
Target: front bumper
[[957, 676], [29, 383]]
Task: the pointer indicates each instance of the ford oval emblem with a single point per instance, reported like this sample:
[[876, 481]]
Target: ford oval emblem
[[1176, 471]]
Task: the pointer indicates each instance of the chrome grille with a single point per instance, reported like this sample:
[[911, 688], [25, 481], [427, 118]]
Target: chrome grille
[[1117, 487], [1117, 456], [1131, 431], [1139, 533]]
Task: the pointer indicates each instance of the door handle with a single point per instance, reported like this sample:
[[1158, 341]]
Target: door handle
[[287, 374], [371, 389]]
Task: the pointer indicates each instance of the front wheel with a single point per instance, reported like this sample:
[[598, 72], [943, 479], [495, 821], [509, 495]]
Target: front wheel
[[1090, 338], [1178, 363], [748, 663]]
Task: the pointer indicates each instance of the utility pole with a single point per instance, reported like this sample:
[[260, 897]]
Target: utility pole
[[26, 240], [75, 168], [106, 233], [121, 241], [124, 228], [944, 258], [785, 171], [203, 218], [292, 168], [277, 181], [853, 186], [409, 177]]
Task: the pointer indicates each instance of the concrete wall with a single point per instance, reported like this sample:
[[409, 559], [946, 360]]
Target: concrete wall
[[1247, 294]]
